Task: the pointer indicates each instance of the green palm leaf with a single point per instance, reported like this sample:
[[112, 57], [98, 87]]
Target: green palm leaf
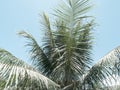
[[72, 11], [18, 74], [37, 54], [73, 40], [48, 42], [105, 70]]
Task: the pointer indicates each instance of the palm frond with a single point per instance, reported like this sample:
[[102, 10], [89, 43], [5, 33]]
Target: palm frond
[[105, 71], [72, 11], [70, 58], [18, 74], [48, 42], [71, 55], [84, 39], [38, 56]]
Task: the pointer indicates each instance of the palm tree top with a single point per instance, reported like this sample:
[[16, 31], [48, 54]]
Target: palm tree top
[[63, 60]]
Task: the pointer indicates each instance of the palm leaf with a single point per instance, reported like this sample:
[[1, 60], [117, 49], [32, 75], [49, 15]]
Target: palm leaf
[[38, 56], [48, 41], [72, 11], [16, 73], [106, 70], [73, 42]]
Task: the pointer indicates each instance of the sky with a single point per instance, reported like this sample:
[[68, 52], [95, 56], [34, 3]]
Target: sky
[[17, 15]]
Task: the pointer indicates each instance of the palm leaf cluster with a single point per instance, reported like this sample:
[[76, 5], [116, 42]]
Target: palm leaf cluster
[[63, 61]]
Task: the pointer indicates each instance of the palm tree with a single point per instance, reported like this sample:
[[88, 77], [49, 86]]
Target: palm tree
[[63, 61]]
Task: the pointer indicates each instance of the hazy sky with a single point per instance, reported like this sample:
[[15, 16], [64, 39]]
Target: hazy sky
[[16, 15]]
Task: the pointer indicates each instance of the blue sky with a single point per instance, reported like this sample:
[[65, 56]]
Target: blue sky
[[17, 15]]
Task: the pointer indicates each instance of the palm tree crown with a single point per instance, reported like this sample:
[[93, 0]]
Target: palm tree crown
[[63, 61]]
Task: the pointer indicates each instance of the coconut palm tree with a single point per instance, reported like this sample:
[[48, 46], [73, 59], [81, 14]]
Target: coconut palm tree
[[63, 61]]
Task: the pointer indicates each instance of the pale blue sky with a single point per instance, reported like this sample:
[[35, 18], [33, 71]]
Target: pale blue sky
[[16, 15]]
